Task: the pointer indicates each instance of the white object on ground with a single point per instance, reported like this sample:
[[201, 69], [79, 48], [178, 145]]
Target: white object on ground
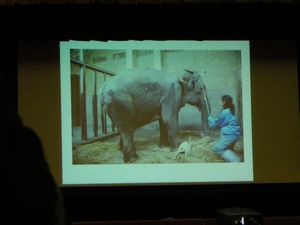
[[185, 148]]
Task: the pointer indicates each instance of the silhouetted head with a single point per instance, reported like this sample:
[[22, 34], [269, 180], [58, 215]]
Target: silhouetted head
[[30, 189]]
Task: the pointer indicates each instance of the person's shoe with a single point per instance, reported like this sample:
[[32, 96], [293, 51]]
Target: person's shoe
[[230, 156]]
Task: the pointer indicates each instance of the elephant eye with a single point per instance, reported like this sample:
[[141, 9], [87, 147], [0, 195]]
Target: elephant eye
[[193, 83]]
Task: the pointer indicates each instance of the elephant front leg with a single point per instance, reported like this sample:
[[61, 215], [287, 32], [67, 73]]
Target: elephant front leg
[[129, 154], [172, 135], [169, 116]]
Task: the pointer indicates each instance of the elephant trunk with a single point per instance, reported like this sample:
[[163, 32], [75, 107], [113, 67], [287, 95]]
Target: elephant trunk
[[205, 112], [206, 103]]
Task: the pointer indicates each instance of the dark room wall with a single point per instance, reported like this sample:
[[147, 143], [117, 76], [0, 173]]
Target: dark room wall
[[275, 103]]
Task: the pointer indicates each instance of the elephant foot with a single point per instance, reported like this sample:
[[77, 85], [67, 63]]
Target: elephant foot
[[204, 133], [129, 157], [121, 145], [174, 145], [172, 149], [161, 145], [134, 156]]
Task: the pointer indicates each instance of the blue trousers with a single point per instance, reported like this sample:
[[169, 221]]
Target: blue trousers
[[225, 142]]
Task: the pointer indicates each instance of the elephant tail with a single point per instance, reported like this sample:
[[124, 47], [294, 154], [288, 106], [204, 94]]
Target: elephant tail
[[103, 110], [105, 103], [103, 118]]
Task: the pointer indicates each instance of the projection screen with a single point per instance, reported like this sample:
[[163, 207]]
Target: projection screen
[[93, 145]]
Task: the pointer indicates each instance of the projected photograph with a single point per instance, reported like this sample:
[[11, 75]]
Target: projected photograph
[[180, 105]]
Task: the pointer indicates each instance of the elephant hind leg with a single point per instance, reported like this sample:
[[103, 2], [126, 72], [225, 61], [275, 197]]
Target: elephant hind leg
[[121, 144], [163, 142], [129, 153], [172, 135]]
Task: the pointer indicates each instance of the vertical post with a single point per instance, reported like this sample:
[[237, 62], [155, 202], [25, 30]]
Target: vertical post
[[103, 114], [239, 97], [95, 106], [83, 99], [129, 59], [157, 59]]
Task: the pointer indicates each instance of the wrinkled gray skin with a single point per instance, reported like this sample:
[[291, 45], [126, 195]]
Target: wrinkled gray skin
[[135, 98]]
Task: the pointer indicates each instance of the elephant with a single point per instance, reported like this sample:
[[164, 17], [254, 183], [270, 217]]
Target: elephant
[[137, 97]]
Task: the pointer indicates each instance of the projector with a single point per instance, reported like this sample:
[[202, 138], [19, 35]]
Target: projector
[[239, 216]]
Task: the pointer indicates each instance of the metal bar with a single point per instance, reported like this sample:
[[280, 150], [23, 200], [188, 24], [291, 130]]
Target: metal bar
[[95, 68], [113, 127], [100, 139], [95, 106], [83, 67], [104, 117], [83, 107], [104, 128], [104, 123]]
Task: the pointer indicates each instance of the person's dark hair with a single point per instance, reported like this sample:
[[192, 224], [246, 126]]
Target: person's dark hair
[[228, 103]]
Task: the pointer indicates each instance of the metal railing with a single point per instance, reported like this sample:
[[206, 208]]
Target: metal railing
[[83, 104]]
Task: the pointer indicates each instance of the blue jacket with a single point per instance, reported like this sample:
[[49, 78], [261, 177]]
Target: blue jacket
[[226, 121]]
